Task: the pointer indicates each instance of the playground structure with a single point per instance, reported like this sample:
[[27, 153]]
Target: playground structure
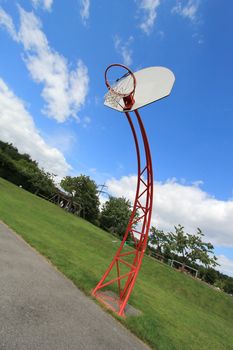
[[66, 201], [127, 92]]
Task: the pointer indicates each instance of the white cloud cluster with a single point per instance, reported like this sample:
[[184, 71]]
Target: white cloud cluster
[[149, 8], [123, 48], [45, 4], [64, 90], [85, 10], [187, 10], [190, 206], [176, 203], [18, 128]]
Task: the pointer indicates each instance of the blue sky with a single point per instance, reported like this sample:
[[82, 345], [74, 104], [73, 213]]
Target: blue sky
[[52, 60]]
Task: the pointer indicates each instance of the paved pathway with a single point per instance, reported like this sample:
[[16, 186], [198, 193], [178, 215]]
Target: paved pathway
[[41, 309]]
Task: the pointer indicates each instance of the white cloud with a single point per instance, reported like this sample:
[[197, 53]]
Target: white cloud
[[198, 38], [187, 9], [45, 4], [6, 21], [190, 206], [64, 90], [123, 48], [85, 10], [149, 14], [226, 265], [18, 128], [86, 121]]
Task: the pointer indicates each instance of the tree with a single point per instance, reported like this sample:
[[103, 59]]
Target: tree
[[85, 193], [40, 181], [22, 170], [179, 242], [209, 275], [228, 286], [9, 170], [159, 241], [12, 152], [219, 283], [201, 251], [115, 215], [191, 247]]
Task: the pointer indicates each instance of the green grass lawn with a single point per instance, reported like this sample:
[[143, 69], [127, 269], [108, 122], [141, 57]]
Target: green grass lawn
[[177, 311]]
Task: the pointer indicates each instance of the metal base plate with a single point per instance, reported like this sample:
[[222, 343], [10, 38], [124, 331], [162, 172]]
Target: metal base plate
[[112, 302]]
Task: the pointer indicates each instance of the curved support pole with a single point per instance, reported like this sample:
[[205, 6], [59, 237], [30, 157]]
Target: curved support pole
[[138, 229]]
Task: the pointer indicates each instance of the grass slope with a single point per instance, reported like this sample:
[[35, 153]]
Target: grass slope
[[178, 312]]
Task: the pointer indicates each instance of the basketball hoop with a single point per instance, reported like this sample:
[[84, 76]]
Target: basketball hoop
[[153, 83], [121, 84]]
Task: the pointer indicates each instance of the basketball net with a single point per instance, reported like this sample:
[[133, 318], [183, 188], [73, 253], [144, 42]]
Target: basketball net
[[121, 90]]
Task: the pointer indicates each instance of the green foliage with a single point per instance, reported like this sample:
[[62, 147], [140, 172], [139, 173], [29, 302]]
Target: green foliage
[[187, 248], [228, 285], [22, 171], [40, 180], [179, 242], [192, 248], [115, 215], [201, 251], [160, 241], [178, 312], [85, 193], [219, 283], [11, 152], [209, 275]]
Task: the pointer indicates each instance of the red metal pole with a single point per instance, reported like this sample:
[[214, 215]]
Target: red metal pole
[[146, 222], [144, 192]]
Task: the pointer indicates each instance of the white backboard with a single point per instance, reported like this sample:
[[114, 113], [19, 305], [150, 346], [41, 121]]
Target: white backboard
[[152, 84]]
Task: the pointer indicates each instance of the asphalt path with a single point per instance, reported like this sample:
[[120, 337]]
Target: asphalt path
[[41, 309]]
